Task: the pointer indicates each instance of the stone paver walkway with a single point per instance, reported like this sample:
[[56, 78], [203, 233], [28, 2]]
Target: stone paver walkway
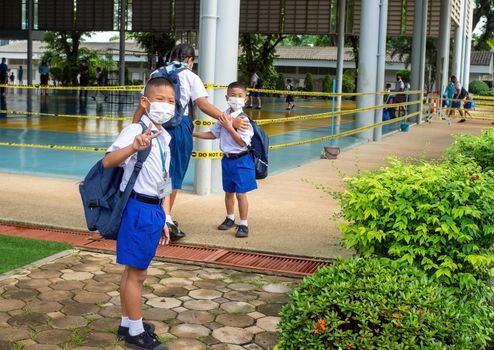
[[72, 303]]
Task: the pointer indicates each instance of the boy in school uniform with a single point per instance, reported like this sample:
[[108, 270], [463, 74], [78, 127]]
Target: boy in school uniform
[[289, 98], [237, 165], [143, 222]]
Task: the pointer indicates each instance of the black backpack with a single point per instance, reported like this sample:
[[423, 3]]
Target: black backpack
[[259, 146], [179, 109], [102, 200], [260, 83], [463, 93]]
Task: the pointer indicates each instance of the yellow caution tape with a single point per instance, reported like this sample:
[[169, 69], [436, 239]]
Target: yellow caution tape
[[56, 147], [207, 86], [76, 88], [207, 155], [7, 111], [200, 122]]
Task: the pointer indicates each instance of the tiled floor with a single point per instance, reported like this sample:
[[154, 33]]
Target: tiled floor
[[72, 303]]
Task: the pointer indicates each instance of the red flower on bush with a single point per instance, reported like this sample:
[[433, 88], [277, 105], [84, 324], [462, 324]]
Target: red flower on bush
[[321, 327]]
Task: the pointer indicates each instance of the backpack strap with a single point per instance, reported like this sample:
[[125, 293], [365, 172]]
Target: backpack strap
[[141, 158], [190, 103]]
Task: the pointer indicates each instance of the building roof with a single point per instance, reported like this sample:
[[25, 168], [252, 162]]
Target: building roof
[[322, 53], [481, 58], [131, 47]]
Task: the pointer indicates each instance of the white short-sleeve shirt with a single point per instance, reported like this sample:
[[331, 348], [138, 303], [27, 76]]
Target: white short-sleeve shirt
[[457, 86], [191, 86], [227, 143], [152, 171], [254, 78]]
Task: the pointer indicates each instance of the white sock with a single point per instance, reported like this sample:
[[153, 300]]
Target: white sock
[[125, 322], [136, 327], [231, 216], [244, 222], [169, 218]]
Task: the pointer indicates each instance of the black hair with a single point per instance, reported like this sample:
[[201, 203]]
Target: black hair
[[289, 80], [157, 82], [3, 59], [181, 52], [453, 77], [236, 85]]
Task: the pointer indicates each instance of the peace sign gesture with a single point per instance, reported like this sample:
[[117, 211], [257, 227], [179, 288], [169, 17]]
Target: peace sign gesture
[[143, 141]]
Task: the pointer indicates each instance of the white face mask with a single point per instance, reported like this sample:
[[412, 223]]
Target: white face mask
[[161, 112], [236, 103]]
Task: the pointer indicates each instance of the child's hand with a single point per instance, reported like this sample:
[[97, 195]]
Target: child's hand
[[165, 236], [241, 123], [226, 121], [143, 141]]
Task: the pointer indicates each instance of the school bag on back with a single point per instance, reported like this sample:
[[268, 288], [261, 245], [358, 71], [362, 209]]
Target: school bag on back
[[101, 197], [179, 109], [259, 146]]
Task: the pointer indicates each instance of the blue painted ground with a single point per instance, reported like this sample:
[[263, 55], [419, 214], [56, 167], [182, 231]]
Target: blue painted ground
[[75, 164]]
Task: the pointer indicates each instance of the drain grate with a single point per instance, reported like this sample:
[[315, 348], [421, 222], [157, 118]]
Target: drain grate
[[243, 259]]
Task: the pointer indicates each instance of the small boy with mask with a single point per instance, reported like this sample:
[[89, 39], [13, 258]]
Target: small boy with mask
[[143, 221], [237, 165]]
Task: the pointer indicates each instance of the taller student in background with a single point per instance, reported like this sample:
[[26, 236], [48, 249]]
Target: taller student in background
[[44, 76], [192, 91], [3, 74]]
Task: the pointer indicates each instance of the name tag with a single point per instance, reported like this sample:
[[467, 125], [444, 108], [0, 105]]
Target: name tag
[[164, 187]]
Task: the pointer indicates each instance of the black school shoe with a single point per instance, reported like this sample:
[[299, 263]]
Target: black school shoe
[[144, 341], [175, 232], [123, 332], [227, 224], [242, 231]]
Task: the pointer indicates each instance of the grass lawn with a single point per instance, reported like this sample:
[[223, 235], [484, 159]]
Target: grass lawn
[[17, 251]]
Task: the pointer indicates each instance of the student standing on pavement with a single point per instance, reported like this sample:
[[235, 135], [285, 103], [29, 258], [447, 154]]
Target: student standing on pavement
[[44, 76], [191, 90], [3, 75], [238, 170], [255, 83], [20, 73], [289, 98], [143, 221], [456, 103]]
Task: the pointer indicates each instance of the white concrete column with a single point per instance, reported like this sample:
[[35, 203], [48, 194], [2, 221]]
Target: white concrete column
[[468, 46], [458, 49], [366, 82], [418, 53], [226, 71], [123, 23], [207, 51], [341, 51], [381, 65], [443, 46], [30, 21]]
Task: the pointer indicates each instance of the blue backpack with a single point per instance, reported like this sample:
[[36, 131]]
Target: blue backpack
[[101, 197], [179, 109], [259, 146]]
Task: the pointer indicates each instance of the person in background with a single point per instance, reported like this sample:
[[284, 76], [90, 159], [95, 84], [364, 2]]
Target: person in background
[[457, 97], [44, 74], [3, 75], [20, 73], [83, 78], [255, 83], [289, 98]]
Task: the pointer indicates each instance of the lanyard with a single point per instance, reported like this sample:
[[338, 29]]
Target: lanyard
[[162, 158]]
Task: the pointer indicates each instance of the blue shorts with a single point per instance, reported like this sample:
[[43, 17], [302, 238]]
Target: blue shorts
[[181, 144], [139, 234], [255, 94], [239, 175], [456, 104]]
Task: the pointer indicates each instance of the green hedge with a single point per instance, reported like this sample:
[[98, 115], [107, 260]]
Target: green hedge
[[381, 304], [478, 87], [438, 216], [470, 148]]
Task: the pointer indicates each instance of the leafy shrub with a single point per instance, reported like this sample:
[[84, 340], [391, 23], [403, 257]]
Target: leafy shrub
[[479, 149], [405, 74], [438, 216], [309, 82], [327, 84], [348, 83], [478, 87], [381, 304]]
